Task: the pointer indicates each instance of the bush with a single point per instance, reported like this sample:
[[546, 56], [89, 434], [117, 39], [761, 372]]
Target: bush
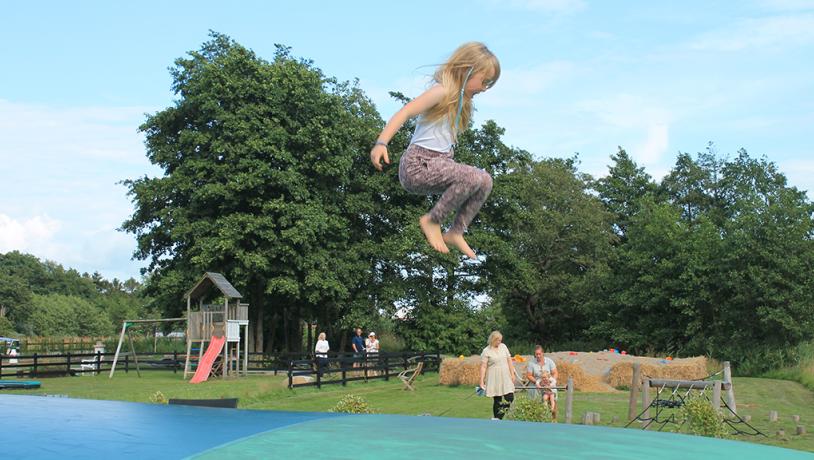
[[525, 409], [352, 404], [158, 398], [702, 419], [6, 329]]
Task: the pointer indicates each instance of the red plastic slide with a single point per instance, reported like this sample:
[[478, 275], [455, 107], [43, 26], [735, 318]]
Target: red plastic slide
[[205, 364]]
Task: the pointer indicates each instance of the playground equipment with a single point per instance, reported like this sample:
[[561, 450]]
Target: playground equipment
[[218, 324], [672, 394], [126, 325]]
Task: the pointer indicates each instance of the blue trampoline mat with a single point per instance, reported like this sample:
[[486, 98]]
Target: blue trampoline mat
[[43, 427]]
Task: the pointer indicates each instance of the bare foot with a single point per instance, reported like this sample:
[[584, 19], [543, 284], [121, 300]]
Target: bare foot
[[457, 240], [433, 233]]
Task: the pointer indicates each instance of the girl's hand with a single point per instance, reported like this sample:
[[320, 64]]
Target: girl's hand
[[377, 154]]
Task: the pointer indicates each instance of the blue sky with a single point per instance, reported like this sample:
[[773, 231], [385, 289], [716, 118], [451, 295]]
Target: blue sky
[[578, 76]]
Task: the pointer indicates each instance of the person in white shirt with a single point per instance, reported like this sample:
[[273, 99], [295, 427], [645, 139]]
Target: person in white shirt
[[321, 353], [372, 349], [543, 373]]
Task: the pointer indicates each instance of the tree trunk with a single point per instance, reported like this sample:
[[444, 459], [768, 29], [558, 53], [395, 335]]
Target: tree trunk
[[257, 307]]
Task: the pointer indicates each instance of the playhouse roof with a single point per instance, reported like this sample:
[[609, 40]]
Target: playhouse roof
[[213, 279]]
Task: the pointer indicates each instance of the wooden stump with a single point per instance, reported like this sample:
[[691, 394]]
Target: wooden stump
[[596, 417], [781, 433], [801, 430], [747, 418], [615, 420], [588, 418], [795, 418], [773, 416]]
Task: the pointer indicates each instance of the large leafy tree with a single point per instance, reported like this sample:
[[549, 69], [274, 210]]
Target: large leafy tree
[[264, 180], [552, 245]]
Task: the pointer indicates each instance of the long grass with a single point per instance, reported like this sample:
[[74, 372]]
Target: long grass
[[802, 371]]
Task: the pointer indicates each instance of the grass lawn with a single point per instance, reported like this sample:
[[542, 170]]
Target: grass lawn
[[755, 396]]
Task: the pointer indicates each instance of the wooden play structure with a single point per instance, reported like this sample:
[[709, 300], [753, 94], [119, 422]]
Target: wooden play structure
[[211, 322], [215, 327], [673, 394]]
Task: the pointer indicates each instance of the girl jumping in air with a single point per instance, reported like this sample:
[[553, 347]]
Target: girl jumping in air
[[427, 166]]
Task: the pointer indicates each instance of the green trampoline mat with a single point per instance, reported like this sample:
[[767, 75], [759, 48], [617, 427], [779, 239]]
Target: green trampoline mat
[[395, 436]]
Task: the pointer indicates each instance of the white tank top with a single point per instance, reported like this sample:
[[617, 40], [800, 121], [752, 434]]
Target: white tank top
[[435, 135]]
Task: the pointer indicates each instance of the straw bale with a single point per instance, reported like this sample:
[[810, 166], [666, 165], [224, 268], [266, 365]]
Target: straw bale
[[456, 371], [678, 369], [582, 380]]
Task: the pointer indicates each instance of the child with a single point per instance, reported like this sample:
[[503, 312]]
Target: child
[[427, 166], [549, 394]]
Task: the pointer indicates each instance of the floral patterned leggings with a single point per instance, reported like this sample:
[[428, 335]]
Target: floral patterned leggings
[[463, 188]]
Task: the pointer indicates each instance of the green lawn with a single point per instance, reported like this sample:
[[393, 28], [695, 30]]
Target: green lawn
[[755, 396]]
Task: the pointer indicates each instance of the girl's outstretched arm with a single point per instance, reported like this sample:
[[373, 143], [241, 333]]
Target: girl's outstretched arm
[[422, 103]]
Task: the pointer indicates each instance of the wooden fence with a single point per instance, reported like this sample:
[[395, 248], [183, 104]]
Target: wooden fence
[[341, 368], [39, 365]]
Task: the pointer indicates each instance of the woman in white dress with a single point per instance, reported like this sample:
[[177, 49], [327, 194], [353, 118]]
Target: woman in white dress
[[497, 374]]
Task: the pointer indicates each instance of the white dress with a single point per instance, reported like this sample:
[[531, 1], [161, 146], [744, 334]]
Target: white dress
[[498, 375]]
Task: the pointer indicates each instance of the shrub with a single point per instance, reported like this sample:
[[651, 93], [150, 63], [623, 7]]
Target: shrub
[[525, 409], [352, 404], [158, 398], [702, 419]]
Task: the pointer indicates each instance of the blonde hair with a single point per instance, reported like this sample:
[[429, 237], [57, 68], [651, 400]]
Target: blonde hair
[[493, 337], [321, 336], [469, 59]]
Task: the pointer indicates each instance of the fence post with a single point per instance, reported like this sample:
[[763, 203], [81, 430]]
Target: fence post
[[36, 365], [569, 400], [1, 365], [68, 363], [319, 374], [730, 393], [646, 400], [365, 367], [175, 362], [98, 361], [344, 371], [716, 396], [634, 391], [290, 376], [126, 363]]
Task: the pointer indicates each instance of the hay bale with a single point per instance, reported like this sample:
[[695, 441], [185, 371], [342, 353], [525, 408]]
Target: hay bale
[[456, 371], [582, 380], [620, 374], [298, 379]]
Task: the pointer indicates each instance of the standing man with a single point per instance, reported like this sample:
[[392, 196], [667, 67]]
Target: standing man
[[358, 345], [543, 372]]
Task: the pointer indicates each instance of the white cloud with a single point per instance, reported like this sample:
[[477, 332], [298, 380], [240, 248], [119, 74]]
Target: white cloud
[[652, 149], [59, 168], [640, 125], [759, 33], [34, 234]]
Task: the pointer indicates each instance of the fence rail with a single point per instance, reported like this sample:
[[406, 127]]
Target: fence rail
[[341, 368], [60, 364]]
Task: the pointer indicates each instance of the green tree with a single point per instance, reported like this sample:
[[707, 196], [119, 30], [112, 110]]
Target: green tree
[[554, 242], [15, 301], [622, 190], [262, 182]]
